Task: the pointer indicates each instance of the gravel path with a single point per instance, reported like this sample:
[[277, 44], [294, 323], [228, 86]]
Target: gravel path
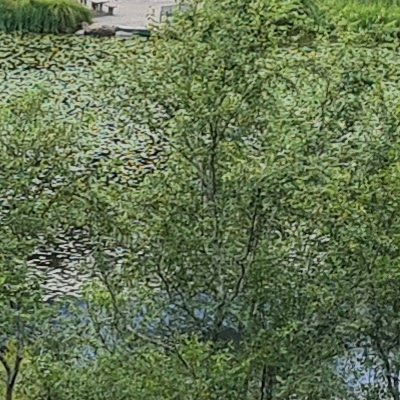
[[131, 12]]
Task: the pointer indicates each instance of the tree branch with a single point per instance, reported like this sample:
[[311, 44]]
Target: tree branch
[[251, 246], [14, 375], [6, 366]]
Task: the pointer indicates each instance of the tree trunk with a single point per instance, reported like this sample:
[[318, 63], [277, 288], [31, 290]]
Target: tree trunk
[[9, 392], [12, 374]]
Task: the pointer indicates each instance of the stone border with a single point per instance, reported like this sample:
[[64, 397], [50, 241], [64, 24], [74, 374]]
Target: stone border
[[119, 31]]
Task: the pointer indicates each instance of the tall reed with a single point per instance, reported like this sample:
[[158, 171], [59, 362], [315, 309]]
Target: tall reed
[[42, 16]]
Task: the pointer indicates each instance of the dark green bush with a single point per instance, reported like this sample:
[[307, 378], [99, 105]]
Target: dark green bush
[[42, 16]]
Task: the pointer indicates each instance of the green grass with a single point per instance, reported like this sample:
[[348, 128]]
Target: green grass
[[42, 16], [363, 14]]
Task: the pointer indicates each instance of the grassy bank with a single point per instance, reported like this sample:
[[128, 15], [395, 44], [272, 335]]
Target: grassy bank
[[42, 16], [363, 14]]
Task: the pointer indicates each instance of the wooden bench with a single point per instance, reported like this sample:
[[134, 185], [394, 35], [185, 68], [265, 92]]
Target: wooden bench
[[111, 7], [97, 5]]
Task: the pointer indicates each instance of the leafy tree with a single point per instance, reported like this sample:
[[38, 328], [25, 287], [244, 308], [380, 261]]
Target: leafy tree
[[250, 229], [260, 260], [223, 225]]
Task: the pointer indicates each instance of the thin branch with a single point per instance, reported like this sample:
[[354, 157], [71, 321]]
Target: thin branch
[[181, 358], [138, 335], [97, 327], [168, 287], [267, 383], [212, 190], [263, 382], [251, 246]]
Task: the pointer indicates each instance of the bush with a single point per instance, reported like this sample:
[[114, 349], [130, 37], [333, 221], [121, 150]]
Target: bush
[[42, 16]]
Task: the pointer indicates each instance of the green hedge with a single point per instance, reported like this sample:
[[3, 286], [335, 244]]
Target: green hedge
[[42, 16]]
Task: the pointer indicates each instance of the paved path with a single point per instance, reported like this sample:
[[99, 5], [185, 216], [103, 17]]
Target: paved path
[[131, 12]]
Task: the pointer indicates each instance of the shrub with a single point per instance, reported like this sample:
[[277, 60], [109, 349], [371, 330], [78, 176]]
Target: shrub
[[42, 16]]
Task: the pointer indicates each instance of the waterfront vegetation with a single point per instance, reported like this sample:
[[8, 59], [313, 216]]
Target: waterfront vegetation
[[237, 175], [66, 16], [42, 16]]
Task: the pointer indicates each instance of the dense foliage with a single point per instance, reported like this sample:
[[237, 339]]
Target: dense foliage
[[246, 167], [42, 16]]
